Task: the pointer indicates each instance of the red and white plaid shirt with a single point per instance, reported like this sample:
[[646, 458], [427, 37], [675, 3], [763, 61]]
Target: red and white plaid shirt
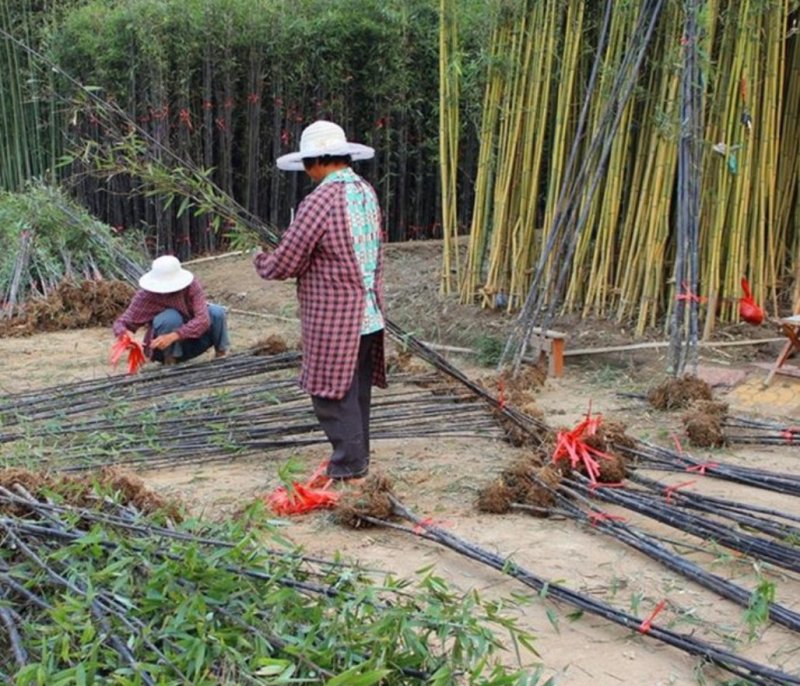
[[317, 249], [190, 302]]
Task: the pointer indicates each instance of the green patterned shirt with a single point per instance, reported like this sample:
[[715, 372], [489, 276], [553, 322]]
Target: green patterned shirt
[[363, 215]]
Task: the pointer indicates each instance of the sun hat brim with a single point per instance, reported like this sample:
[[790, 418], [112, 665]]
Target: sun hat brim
[[294, 160], [166, 284]]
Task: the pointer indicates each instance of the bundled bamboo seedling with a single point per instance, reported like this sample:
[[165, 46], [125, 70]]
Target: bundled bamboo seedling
[[50, 240], [542, 492], [92, 589], [242, 404], [379, 498], [684, 326]]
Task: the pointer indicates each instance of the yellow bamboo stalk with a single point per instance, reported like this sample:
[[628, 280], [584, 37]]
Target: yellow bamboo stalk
[[504, 217], [536, 106], [564, 124], [448, 140], [485, 168]]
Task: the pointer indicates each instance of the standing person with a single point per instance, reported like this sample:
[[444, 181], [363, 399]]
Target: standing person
[[333, 249], [180, 322]]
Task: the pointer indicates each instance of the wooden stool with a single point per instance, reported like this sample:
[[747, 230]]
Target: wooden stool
[[791, 329], [551, 344]]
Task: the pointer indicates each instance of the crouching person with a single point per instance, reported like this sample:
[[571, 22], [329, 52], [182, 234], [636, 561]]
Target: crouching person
[[180, 323]]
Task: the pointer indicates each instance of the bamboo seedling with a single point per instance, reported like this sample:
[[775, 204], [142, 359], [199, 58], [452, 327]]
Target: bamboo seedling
[[157, 602]]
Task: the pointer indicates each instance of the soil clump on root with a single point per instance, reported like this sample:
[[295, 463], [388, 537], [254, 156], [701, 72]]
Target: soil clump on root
[[80, 491], [520, 391], [370, 499], [679, 394], [527, 483], [71, 305], [271, 345], [608, 437], [703, 424]]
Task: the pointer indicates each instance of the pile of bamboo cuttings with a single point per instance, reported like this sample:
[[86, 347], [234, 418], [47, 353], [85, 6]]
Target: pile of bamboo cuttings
[[242, 404], [98, 568]]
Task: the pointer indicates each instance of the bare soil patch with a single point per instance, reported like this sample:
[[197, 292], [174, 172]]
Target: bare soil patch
[[443, 478]]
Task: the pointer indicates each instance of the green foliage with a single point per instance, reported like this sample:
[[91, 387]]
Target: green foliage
[[757, 613], [489, 350], [367, 64], [210, 604]]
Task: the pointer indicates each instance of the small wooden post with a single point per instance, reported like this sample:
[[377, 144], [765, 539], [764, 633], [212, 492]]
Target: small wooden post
[[551, 344]]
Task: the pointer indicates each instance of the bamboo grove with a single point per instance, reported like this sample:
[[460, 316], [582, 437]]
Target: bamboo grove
[[502, 119], [540, 90], [228, 85]]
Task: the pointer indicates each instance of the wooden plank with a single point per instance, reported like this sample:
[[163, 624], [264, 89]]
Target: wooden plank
[[618, 348], [212, 258], [663, 344], [556, 358], [549, 333]]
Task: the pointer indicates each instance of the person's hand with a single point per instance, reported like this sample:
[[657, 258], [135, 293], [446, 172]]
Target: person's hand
[[261, 250], [164, 341]]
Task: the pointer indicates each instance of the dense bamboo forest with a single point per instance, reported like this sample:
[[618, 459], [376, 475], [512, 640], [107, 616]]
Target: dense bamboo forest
[[577, 189], [548, 131], [228, 85]]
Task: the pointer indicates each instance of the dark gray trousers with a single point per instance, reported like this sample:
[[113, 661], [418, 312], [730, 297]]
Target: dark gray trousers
[[345, 421]]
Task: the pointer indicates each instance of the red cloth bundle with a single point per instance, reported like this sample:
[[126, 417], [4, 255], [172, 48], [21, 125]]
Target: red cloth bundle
[[748, 309], [303, 498], [570, 445], [134, 349]]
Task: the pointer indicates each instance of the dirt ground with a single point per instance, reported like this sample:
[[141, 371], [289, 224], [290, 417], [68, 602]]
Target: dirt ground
[[440, 478]]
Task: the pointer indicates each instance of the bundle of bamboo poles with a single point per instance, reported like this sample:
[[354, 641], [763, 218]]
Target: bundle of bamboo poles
[[50, 240], [257, 408], [747, 670], [541, 83], [219, 587]]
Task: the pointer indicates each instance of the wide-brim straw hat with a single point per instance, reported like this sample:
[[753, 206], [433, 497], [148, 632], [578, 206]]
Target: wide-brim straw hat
[[166, 276], [323, 138]]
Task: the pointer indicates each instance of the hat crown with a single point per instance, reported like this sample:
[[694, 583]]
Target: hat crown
[[321, 136], [320, 139], [166, 276], [166, 266]]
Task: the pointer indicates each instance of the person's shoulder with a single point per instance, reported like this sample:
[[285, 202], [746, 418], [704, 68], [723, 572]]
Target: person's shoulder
[[322, 196], [196, 285], [141, 295], [365, 183], [327, 190]]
